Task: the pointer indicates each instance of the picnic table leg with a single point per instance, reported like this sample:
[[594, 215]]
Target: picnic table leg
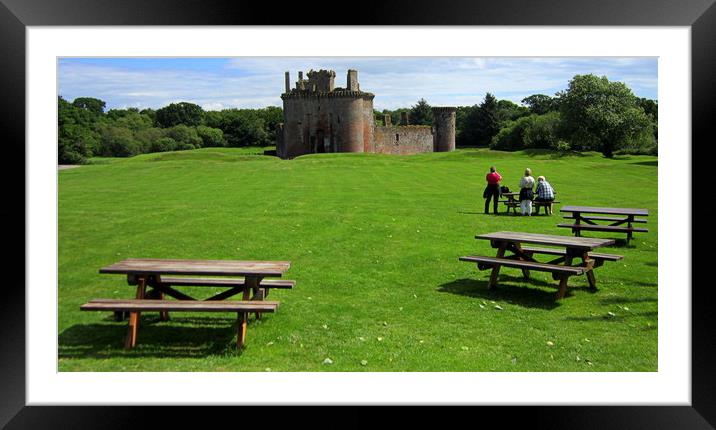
[[252, 284], [163, 315], [562, 289], [578, 219], [496, 270], [518, 251], [242, 319], [630, 219], [131, 339], [589, 263]]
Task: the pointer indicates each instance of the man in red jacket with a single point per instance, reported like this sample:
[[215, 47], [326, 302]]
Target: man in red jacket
[[492, 191]]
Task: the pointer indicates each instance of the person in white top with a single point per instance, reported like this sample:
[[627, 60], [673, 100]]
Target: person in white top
[[526, 194]]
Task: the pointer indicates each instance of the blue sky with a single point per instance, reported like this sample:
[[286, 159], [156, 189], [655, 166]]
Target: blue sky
[[254, 82]]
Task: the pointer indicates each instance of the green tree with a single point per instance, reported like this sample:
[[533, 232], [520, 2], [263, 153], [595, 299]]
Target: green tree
[[185, 137], [421, 113], [117, 142], [509, 111], [481, 123], [77, 138], [185, 113], [511, 136], [96, 106], [543, 131], [603, 113], [540, 103], [210, 136]]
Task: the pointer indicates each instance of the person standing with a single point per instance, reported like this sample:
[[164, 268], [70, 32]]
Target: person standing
[[545, 193], [492, 191], [526, 194]]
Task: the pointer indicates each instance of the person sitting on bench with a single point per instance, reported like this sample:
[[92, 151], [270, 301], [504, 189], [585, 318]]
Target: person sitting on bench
[[545, 194]]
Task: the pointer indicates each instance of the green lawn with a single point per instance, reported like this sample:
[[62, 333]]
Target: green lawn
[[374, 242]]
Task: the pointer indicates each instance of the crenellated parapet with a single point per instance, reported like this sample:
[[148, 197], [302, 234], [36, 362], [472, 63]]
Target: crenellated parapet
[[337, 93]]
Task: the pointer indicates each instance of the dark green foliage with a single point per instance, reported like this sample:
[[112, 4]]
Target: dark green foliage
[[421, 113], [543, 131], [480, 123], [117, 142], [509, 111], [163, 144], [511, 136], [77, 138], [95, 106], [179, 113], [540, 103], [85, 130], [210, 136], [185, 137], [242, 127]]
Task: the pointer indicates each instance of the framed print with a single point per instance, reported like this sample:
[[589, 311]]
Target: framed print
[[40, 39]]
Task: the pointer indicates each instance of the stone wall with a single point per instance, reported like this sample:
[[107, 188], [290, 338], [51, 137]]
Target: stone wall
[[403, 140]]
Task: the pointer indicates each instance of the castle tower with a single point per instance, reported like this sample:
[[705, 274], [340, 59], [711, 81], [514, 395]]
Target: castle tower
[[318, 117], [352, 80], [444, 129]]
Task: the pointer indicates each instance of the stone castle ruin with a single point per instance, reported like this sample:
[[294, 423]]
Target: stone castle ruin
[[319, 117]]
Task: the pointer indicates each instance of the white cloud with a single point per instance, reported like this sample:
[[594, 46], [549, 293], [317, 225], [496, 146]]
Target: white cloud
[[396, 82]]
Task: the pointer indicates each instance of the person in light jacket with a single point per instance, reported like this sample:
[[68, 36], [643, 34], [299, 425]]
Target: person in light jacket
[[527, 183]]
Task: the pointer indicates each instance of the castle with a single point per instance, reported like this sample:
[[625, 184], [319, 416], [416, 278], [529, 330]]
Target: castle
[[320, 117]]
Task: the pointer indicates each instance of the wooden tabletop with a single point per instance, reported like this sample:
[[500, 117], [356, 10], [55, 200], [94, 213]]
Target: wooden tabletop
[[603, 210], [157, 266], [547, 239]]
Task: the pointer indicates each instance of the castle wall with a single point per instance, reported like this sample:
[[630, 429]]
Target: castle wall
[[403, 140]]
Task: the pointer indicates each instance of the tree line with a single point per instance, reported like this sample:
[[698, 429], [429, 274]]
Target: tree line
[[592, 114], [86, 130]]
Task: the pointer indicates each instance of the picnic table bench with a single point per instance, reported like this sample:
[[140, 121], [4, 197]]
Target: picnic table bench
[[561, 268], [151, 273], [586, 218], [512, 202], [242, 308]]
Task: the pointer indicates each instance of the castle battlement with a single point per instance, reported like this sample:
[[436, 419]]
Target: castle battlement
[[337, 93]]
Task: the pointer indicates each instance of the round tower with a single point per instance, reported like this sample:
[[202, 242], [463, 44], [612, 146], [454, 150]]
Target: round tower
[[444, 129]]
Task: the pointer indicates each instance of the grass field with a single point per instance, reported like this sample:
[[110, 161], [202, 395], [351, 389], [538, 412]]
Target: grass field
[[374, 242]]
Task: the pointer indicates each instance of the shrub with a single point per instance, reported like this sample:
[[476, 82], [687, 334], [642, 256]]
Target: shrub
[[210, 137], [163, 144]]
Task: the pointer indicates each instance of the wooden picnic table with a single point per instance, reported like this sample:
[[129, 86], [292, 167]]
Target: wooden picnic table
[[587, 218], [513, 202], [565, 248], [153, 273]]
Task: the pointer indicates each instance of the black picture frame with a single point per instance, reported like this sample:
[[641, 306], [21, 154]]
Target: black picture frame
[[16, 15]]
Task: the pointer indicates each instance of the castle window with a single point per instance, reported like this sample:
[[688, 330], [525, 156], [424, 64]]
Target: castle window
[[397, 137]]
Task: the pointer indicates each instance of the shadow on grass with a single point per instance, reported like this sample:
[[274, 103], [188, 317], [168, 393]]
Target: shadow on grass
[[171, 339], [654, 163], [553, 154], [522, 296], [614, 318], [621, 300]]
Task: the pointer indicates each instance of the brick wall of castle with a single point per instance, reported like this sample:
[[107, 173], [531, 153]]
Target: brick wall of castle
[[403, 140]]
